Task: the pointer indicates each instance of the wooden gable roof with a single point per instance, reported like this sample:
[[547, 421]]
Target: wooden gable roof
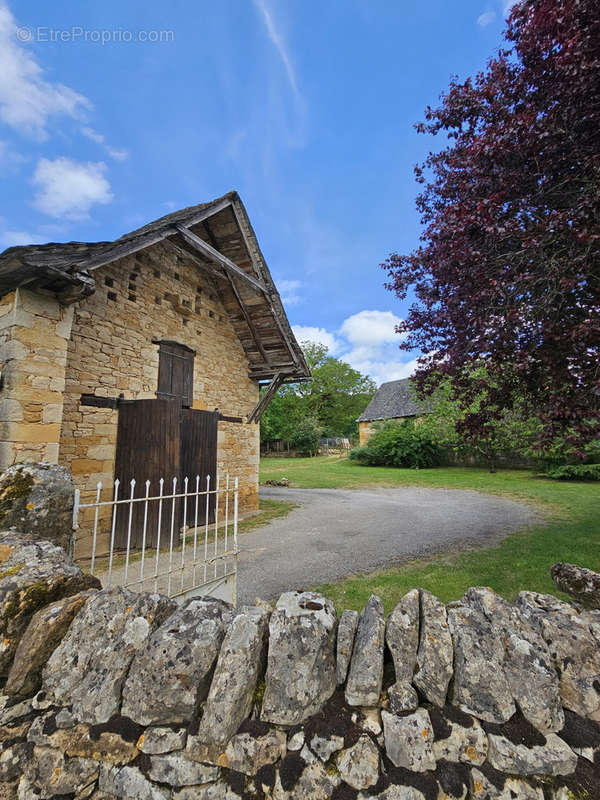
[[216, 237]]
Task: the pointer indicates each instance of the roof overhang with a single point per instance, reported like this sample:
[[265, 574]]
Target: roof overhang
[[216, 237]]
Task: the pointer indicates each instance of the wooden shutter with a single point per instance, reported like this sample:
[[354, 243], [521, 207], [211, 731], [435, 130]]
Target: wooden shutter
[[176, 373]]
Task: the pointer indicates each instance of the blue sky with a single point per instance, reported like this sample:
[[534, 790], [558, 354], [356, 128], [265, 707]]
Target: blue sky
[[305, 107]]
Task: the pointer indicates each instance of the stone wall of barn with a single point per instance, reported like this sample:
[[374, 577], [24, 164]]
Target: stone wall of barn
[[34, 335], [479, 699], [365, 431], [141, 298]]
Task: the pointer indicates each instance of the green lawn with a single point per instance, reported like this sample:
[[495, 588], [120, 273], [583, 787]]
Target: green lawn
[[570, 530]]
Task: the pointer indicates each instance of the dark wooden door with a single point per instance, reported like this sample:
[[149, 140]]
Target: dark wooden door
[[198, 454], [159, 439], [148, 448]]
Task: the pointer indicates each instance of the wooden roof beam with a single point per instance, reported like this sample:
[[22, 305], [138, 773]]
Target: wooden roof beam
[[198, 261], [218, 258], [240, 302], [261, 406]]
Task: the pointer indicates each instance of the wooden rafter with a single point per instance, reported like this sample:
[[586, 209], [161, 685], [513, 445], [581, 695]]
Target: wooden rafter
[[198, 261], [240, 302], [266, 398], [272, 308], [218, 258]]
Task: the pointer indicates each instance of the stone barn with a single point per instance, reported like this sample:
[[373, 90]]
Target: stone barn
[[393, 400], [143, 357]]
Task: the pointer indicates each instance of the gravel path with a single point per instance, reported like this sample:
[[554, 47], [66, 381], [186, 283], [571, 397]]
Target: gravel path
[[337, 532]]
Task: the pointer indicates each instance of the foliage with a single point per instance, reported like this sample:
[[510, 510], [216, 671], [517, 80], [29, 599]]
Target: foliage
[[335, 397], [306, 437], [508, 272], [400, 444], [505, 434], [575, 472]]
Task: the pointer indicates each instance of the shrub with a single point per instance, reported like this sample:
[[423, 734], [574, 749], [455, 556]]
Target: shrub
[[307, 436], [400, 444], [575, 472]]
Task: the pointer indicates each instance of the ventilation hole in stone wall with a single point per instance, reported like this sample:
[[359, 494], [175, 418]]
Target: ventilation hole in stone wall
[[132, 297], [186, 303], [132, 287], [177, 276], [198, 290], [211, 313], [156, 273], [157, 300], [112, 295], [109, 282], [185, 321], [133, 275]]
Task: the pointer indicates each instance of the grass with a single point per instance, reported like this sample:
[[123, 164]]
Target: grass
[[570, 530]]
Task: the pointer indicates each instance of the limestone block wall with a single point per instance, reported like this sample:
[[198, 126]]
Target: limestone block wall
[[139, 299], [479, 699], [34, 334], [365, 431]]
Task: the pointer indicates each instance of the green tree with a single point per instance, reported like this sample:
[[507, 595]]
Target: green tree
[[334, 398], [472, 430]]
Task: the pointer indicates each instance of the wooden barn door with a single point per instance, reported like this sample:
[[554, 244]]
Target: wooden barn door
[[160, 439], [148, 448], [198, 452]]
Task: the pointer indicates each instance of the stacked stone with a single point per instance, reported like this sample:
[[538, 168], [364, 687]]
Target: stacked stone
[[110, 694]]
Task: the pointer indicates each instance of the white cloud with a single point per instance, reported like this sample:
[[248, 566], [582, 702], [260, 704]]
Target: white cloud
[[370, 328], [27, 100], [119, 154], [308, 333], [289, 292], [367, 341], [485, 19], [13, 238], [276, 38], [68, 188]]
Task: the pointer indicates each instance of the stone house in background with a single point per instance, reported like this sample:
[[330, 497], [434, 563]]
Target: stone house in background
[[143, 357], [393, 400]]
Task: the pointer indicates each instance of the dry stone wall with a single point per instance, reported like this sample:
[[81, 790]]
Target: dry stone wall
[[109, 694]]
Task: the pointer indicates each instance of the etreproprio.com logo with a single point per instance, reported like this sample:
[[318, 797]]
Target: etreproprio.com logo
[[103, 36]]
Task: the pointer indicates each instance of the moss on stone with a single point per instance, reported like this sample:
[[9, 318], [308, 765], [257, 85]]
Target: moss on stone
[[331, 769], [259, 694], [12, 570], [18, 485], [36, 594]]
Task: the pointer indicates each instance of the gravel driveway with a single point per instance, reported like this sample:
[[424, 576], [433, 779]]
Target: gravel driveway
[[337, 532]]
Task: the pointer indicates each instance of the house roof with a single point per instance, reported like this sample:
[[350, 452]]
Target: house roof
[[216, 237], [393, 399]]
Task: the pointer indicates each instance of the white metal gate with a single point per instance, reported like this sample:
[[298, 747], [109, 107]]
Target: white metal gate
[[195, 552]]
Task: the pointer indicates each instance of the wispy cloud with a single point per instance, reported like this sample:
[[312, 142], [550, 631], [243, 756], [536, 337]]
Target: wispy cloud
[[14, 238], [67, 188], [27, 99], [118, 154], [10, 160], [288, 290], [277, 39], [485, 19]]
